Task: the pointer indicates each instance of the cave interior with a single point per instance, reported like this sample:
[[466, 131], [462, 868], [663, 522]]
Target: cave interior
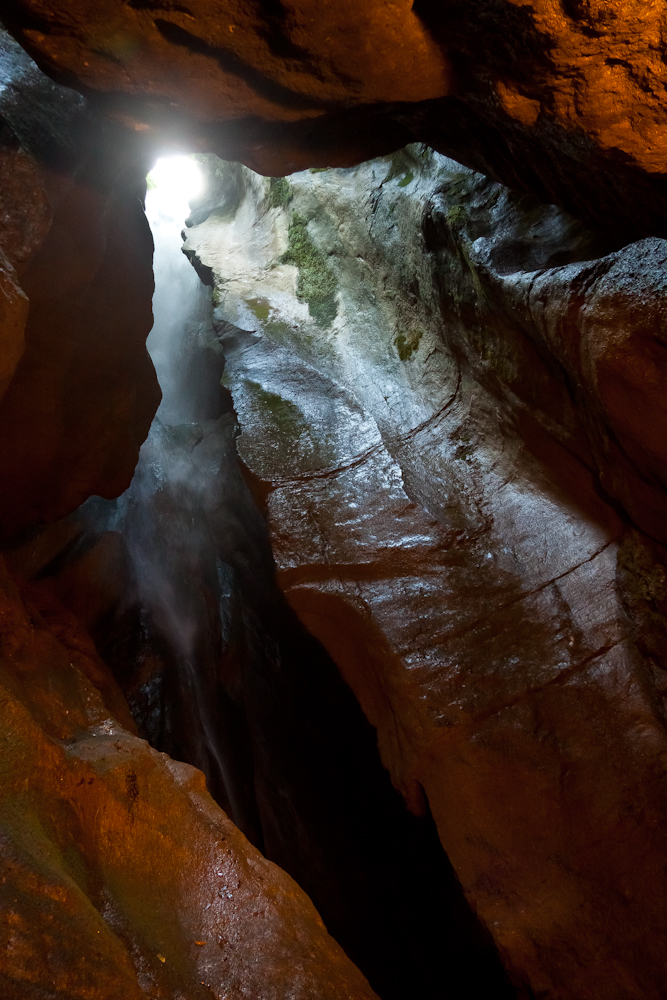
[[333, 483]]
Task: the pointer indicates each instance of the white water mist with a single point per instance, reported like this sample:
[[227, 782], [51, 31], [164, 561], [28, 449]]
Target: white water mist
[[181, 303], [168, 515]]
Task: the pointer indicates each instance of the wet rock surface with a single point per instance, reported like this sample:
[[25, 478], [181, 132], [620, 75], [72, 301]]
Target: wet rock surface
[[175, 582], [458, 442], [562, 99], [120, 875], [431, 427]]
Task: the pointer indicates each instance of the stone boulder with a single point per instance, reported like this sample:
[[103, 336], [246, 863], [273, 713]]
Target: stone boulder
[[119, 875]]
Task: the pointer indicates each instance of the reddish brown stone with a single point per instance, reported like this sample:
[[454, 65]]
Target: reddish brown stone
[[119, 876], [561, 98], [13, 316], [605, 323], [77, 388]]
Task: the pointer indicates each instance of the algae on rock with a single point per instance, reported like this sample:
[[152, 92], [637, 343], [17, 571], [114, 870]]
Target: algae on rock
[[317, 283]]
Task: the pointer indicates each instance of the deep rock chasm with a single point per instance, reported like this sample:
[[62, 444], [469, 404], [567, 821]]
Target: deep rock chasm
[[333, 665]]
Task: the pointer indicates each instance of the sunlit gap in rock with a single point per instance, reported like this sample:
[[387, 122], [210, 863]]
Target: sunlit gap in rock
[[165, 516], [251, 278], [166, 639], [179, 302]]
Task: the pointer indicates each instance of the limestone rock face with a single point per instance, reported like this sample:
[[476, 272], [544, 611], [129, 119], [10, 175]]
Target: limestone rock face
[[120, 877], [434, 428], [560, 98], [77, 389]]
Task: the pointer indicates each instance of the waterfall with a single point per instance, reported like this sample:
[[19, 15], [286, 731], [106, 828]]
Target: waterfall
[[170, 517]]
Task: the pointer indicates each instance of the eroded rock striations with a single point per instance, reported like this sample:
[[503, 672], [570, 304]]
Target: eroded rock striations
[[443, 434]]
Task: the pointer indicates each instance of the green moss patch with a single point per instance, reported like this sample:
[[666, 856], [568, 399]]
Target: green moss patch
[[400, 164], [282, 415], [280, 192], [457, 217], [317, 283], [407, 345], [259, 308], [285, 431], [464, 452]]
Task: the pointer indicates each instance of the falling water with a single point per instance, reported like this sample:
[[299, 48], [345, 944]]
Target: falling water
[[170, 517], [181, 303]]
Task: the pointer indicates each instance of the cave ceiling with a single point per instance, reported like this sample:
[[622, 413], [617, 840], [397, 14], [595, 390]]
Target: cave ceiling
[[428, 608], [564, 98]]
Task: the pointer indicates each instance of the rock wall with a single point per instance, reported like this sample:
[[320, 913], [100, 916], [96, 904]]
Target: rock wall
[[175, 581], [466, 506], [563, 98], [120, 875], [458, 440], [78, 391]]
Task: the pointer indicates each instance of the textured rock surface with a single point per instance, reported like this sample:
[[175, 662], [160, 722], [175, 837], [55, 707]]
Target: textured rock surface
[[427, 423], [77, 388], [175, 581], [119, 876], [560, 97], [459, 443]]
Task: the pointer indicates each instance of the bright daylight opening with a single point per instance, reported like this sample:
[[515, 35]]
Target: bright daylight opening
[[180, 300], [173, 182]]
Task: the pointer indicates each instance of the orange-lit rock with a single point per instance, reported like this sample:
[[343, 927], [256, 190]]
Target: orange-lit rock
[[224, 60], [604, 73], [564, 99], [119, 876]]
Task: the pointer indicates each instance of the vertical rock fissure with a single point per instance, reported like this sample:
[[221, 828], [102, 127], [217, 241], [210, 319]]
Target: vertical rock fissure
[[179, 580]]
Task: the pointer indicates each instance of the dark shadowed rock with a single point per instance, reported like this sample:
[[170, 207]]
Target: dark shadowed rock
[[78, 389]]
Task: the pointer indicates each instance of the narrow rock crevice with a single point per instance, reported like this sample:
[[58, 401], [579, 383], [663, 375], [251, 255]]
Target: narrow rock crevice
[[388, 583], [259, 706]]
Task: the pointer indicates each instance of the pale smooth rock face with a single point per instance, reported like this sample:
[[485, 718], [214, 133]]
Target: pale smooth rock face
[[428, 421]]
